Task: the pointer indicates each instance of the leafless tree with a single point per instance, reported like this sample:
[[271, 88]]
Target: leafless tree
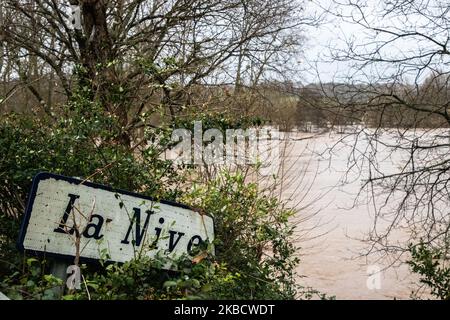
[[398, 85], [137, 55]]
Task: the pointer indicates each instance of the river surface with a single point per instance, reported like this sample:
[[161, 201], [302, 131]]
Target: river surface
[[322, 175], [321, 184]]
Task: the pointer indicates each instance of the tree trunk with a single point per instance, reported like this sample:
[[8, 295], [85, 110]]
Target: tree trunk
[[97, 53]]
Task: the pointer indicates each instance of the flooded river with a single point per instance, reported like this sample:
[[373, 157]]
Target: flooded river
[[331, 225]]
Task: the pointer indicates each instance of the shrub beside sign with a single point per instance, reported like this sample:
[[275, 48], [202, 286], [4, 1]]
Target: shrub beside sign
[[120, 222]]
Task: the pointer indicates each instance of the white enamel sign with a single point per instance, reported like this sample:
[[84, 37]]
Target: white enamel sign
[[120, 223]]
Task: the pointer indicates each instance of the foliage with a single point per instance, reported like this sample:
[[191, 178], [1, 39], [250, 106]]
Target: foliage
[[81, 142], [254, 256], [143, 279], [112, 96], [253, 236], [31, 282], [431, 264]]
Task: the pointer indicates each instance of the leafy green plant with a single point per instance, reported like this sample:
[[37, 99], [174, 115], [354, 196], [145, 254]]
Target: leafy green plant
[[254, 254], [253, 236], [81, 142], [32, 282], [431, 264]]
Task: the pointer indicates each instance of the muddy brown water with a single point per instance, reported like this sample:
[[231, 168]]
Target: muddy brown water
[[331, 226]]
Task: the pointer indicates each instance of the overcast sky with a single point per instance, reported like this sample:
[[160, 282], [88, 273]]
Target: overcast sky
[[427, 17], [329, 34]]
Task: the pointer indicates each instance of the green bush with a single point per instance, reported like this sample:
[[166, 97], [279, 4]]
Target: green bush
[[432, 265], [255, 258], [81, 142], [253, 236]]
